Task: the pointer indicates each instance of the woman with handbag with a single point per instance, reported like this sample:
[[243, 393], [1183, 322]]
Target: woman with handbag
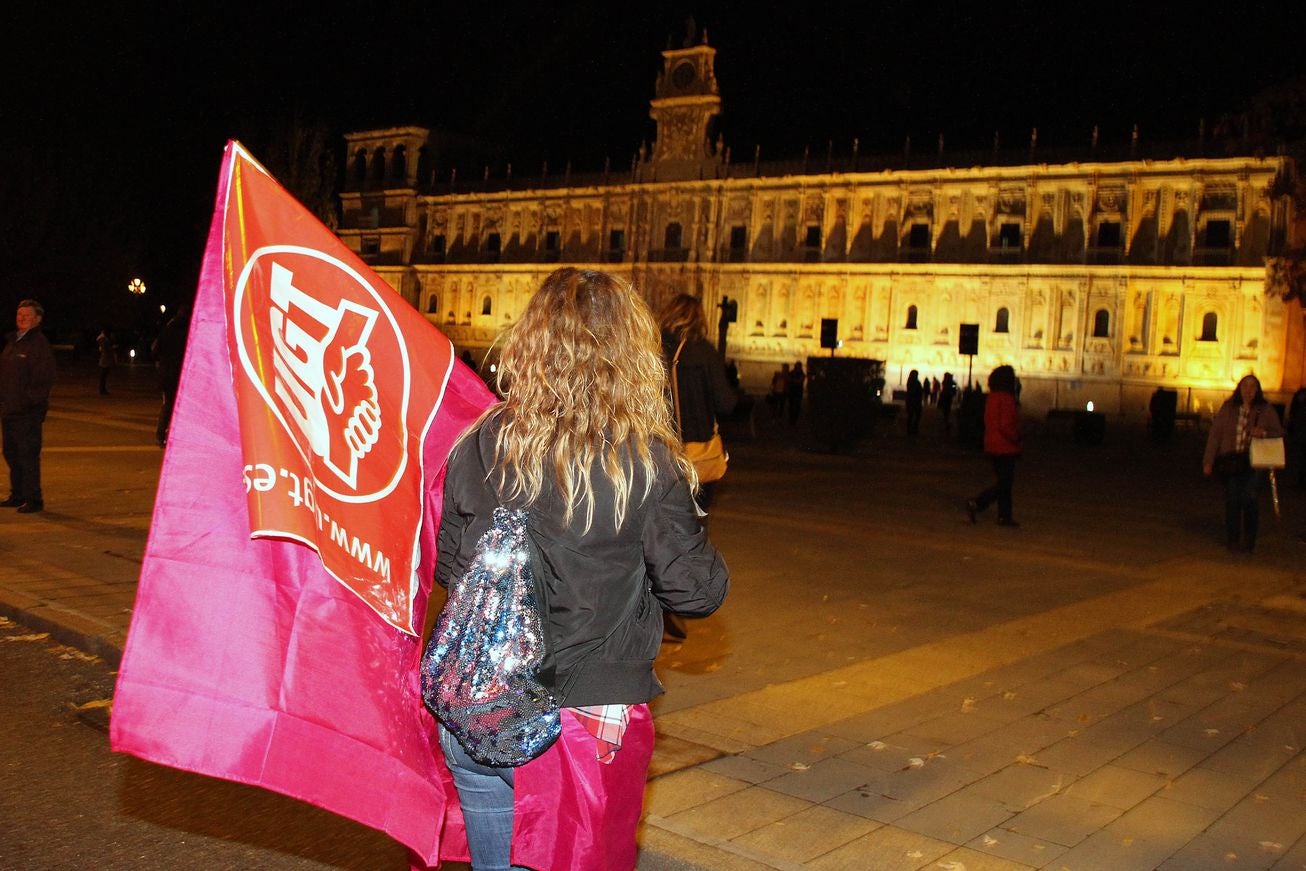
[[700, 391], [1244, 416], [584, 442]]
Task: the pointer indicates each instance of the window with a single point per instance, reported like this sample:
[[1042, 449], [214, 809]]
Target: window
[[552, 245], [436, 245], [433, 304], [813, 239], [492, 243], [1001, 324], [1102, 324], [918, 236], [1108, 234], [399, 164], [671, 239], [616, 246], [1209, 324], [369, 245], [1009, 235], [487, 306], [1219, 234], [738, 243], [911, 317], [360, 167]]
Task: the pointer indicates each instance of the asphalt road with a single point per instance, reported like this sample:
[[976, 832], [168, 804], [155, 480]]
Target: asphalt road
[[68, 803]]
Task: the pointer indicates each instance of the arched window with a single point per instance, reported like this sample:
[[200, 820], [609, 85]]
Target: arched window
[[1002, 323], [433, 304], [487, 305], [1210, 321], [360, 167], [1102, 324], [911, 317], [399, 164], [378, 165], [672, 238]]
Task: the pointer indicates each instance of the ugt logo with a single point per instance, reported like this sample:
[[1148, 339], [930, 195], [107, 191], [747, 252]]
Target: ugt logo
[[320, 346]]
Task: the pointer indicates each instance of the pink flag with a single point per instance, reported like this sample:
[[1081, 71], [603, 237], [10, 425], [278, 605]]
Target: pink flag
[[293, 541]]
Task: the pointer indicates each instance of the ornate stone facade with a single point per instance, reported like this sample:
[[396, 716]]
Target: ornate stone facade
[[1098, 281]]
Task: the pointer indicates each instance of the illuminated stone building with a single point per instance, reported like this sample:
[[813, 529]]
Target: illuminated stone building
[[1099, 279]]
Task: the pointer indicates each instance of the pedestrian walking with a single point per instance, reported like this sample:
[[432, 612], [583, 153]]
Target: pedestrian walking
[[104, 350], [1002, 444], [584, 441], [27, 373], [1242, 417]]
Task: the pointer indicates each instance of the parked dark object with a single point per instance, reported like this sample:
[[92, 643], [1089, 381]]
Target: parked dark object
[[843, 400], [1161, 411]]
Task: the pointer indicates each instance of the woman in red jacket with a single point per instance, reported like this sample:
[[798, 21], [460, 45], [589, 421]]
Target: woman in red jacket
[[1002, 444]]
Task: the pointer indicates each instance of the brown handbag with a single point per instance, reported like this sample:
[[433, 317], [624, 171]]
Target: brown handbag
[[710, 458]]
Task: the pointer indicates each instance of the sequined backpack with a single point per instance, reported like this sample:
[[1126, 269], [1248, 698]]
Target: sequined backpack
[[480, 670]]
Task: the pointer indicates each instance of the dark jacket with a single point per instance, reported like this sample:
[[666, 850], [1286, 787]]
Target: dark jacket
[[604, 590], [26, 373], [705, 393], [1223, 437]]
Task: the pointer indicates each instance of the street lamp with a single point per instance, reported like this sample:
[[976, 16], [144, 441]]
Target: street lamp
[[136, 286]]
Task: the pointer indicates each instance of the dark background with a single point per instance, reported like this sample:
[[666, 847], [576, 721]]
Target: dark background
[[113, 117]]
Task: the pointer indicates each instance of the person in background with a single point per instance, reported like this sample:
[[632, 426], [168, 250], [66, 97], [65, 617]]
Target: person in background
[[915, 400], [169, 352], [104, 350], [1242, 417], [703, 387], [703, 390], [583, 440], [779, 387], [947, 393], [794, 391], [27, 373], [1296, 439], [1002, 444]]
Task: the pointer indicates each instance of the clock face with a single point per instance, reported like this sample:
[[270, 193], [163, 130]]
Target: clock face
[[683, 75]]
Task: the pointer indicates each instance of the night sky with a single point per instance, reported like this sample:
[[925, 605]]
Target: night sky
[[114, 118]]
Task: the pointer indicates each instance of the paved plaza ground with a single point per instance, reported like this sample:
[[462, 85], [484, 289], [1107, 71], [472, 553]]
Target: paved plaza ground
[[1105, 687]]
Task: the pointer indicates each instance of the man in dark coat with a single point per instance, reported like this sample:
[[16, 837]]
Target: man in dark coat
[[26, 377]]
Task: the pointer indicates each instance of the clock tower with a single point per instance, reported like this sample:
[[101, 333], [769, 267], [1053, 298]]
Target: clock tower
[[684, 104]]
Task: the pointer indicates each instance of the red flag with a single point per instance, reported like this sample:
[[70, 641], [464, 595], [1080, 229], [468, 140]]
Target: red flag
[[316, 408]]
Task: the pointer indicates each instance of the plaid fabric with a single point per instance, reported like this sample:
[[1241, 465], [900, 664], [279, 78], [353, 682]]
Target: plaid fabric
[[1242, 442], [607, 723]]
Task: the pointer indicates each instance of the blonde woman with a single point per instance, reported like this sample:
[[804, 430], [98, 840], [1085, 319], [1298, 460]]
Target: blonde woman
[[584, 441]]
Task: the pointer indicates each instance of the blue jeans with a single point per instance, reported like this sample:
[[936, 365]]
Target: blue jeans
[[485, 795]]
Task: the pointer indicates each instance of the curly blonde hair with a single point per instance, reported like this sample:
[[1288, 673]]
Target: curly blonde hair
[[584, 389]]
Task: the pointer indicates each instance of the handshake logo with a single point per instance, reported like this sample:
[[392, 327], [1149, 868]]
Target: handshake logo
[[323, 374], [322, 349]]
